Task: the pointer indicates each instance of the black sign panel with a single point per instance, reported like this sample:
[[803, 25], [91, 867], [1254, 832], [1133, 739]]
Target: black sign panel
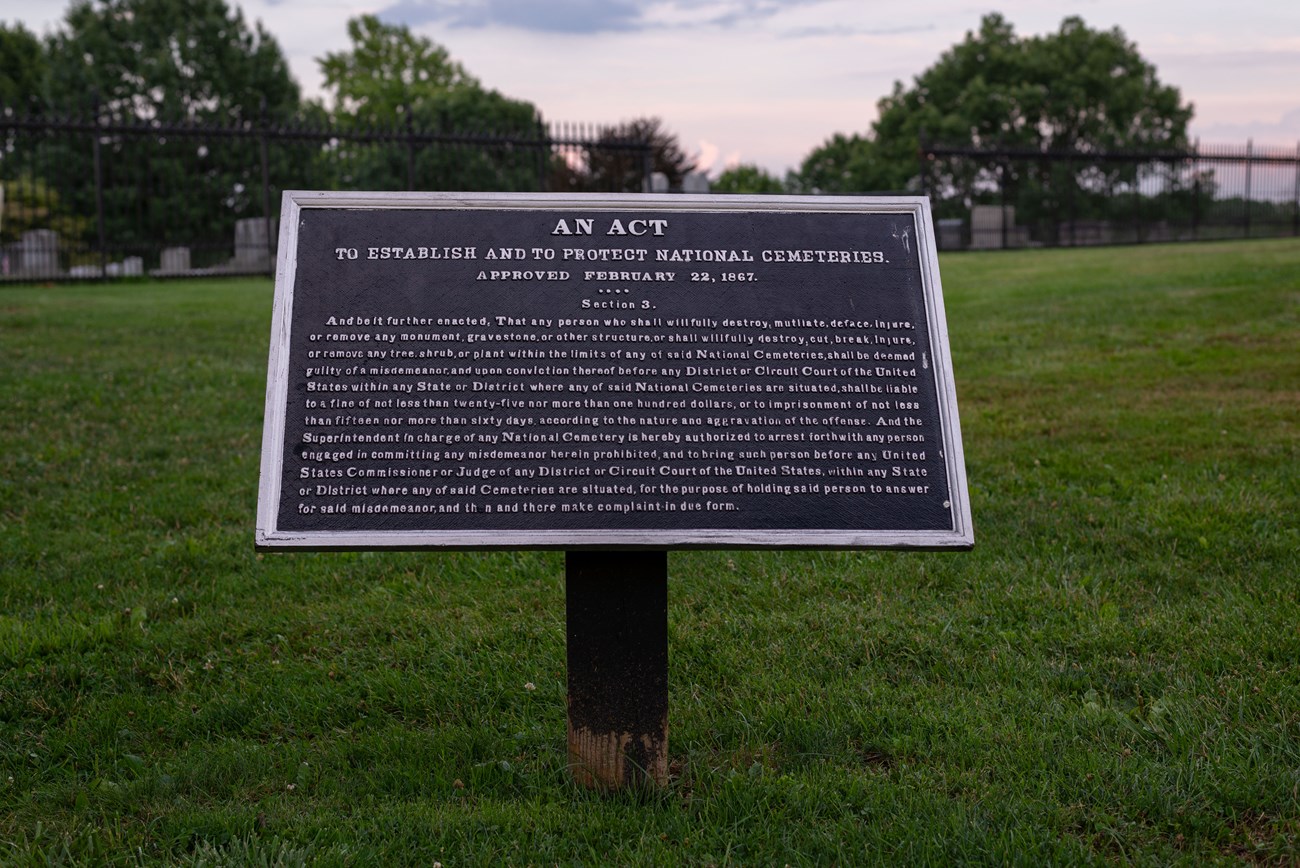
[[608, 371]]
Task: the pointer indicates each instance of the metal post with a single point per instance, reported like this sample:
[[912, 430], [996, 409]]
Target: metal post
[[410, 149], [142, 203], [616, 606], [4, 259], [921, 160], [1002, 191], [1196, 191], [266, 188], [647, 167], [99, 190], [1295, 212], [1250, 145], [543, 154], [1071, 181], [1050, 236], [1137, 201]]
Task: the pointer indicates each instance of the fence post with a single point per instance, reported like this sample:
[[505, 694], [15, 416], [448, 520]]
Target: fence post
[[99, 187], [142, 204], [1137, 200], [647, 166], [1071, 182], [1250, 148], [543, 154], [921, 161], [410, 149], [1196, 191], [1002, 192], [1295, 211], [1050, 237], [266, 186]]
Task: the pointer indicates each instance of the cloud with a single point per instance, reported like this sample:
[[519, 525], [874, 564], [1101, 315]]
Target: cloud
[[586, 16], [707, 156], [1259, 60], [556, 16], [1279, 132], [732, 13], [842, 30]]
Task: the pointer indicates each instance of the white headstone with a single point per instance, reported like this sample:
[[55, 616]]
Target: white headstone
[[986, 226], [38, 252], [695, 182], [175, 260], [949, 233], [252, 248]]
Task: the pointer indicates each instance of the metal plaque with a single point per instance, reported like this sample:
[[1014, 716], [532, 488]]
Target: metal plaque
[[609, 371]]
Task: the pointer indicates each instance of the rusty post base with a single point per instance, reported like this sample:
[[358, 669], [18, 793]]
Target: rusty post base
[[617, 610]]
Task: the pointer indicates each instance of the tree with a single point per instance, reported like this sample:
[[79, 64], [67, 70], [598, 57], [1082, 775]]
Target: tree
[[388, 71], [616, 163], [169, 60], [747, 178], [392, 78], [156, 62], [28, 198], [30, 203], [23, 67], [845, 164], [1074, 90]]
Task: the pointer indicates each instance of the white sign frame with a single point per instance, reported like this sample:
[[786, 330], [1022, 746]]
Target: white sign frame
[[270, 537]]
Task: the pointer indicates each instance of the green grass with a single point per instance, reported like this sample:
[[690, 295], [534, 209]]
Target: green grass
[[1112, 675]]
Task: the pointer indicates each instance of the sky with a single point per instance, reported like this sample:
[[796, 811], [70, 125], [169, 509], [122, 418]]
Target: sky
[[767, 81]]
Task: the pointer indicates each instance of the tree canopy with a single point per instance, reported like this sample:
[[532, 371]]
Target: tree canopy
[[612, 169], [166, 61], [23, 67], [389, 71], [173, 60], [747, 178], [848, 164], [1077, 89], [390, 76], [181, 67]]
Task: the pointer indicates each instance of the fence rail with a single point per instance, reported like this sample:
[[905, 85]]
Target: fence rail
[[988, 198], [102, 196]]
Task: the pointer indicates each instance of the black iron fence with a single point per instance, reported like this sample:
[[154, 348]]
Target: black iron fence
[[95, 197], [999, 198], [100, 196]]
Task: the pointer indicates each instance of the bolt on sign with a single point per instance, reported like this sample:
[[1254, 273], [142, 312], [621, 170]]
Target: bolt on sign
[[493, 371]]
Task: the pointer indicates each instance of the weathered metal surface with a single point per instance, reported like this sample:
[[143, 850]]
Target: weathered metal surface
[[617, 623], [610, 372]]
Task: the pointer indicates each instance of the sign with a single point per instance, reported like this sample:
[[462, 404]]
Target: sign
[[609, 371]]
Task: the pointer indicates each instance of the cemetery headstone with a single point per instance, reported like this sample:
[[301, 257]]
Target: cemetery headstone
[[695, 182], [174, 260], [252, 244], [38, 253], [950, 233], [994, 227]]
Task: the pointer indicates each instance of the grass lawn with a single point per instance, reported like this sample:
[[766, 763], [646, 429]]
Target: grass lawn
[[1112, 675]]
